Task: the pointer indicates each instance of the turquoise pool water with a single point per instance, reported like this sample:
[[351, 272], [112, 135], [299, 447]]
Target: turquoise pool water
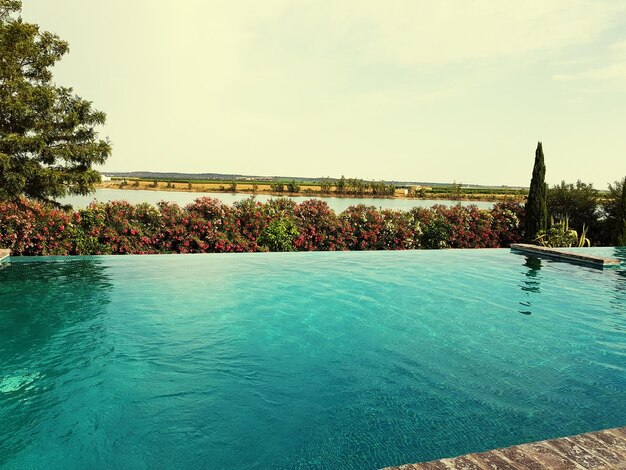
[[303, 360]]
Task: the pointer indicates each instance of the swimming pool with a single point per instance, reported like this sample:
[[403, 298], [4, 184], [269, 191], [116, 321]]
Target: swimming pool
[[303, 360]]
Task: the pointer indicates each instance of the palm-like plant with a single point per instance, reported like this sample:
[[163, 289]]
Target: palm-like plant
[[561, 235]]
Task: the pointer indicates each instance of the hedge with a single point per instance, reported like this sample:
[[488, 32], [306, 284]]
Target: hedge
[[209, 226]]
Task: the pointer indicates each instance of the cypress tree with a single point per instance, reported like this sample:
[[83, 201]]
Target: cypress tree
[[536, 208], [620, 223]]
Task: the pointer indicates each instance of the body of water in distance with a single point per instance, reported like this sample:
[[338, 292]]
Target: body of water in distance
[[338, 204]]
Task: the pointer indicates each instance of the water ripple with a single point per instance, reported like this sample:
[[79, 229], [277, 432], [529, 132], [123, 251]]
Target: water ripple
[[308, 360]]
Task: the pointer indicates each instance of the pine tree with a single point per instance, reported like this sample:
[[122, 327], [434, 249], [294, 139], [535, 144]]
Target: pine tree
[[48, 142], [536, 208]]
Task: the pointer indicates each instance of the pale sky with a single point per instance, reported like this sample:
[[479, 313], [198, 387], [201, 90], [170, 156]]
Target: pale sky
[[435, 91]]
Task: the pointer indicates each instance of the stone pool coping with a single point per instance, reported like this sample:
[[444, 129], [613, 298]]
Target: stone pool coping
[[580, 258], [4, 254], [602, 450]]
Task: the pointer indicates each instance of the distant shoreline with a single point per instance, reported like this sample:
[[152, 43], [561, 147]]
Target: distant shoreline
[[244, 188]]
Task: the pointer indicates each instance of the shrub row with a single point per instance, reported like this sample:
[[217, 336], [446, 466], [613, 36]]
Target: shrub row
[[209, 226]]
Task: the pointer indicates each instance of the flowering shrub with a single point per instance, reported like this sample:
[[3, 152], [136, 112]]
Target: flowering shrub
[[209, 226], [468, 226], [508, 220], [368, 228], [319, 227], [252, 219], [364, 227], [399, 231]]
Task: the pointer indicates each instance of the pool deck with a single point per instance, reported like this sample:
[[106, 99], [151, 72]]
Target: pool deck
[[600, 450], [579, 258], [4, 254]]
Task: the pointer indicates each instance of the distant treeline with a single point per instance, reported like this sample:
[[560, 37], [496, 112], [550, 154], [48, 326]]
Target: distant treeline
[[341, 186], [216, 178], [473, 190]]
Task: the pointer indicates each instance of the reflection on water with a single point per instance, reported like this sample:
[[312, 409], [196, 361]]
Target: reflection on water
[[620, 280], [620, 253], [350, 360], [46, 336], [60, 295], [615, 276], [531, 284]]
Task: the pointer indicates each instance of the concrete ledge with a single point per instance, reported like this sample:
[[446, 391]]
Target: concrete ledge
[[579, 258], [601, 450], [4, 254]]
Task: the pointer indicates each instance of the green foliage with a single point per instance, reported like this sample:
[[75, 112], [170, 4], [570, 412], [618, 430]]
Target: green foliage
[[536, 207], [561, 235], [620, 238], [326, 185], [615, 212], [48, 142], [293, 187], [232, 187], [447, 189], [577, 203], [279, 206], [380, 188], [340, 187], [583, 240], [417, 192], [436, 233], [277, 187], [279, 235], [356, 187], [255, 187], [456, 191]]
